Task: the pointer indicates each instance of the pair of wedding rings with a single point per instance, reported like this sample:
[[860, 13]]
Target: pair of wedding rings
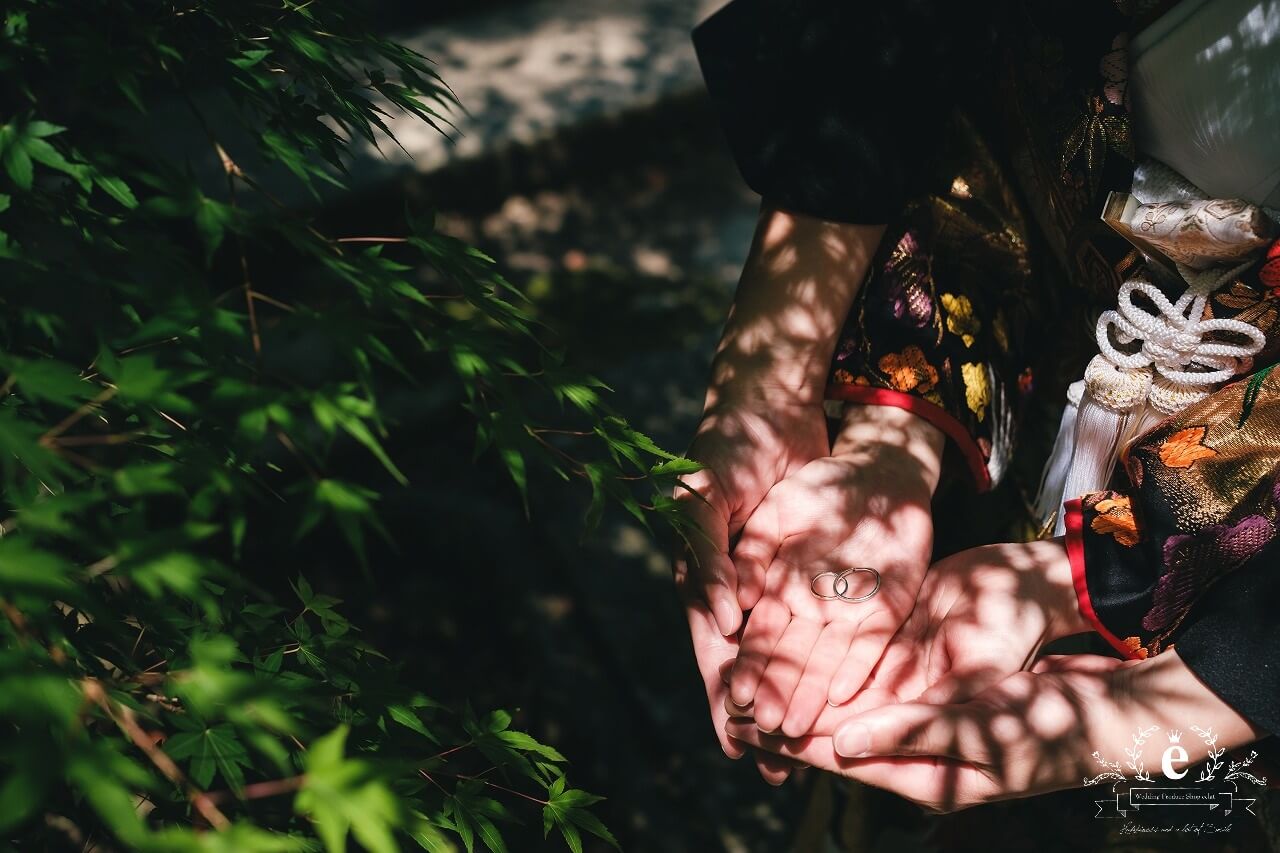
[[840, 585]]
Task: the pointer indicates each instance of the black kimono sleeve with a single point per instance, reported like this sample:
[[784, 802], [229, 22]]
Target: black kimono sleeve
[[830, 107]]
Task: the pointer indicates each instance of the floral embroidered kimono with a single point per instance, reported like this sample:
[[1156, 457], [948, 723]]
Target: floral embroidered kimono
[[988, 136]]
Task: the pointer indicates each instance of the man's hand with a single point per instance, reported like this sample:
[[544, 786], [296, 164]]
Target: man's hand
[[866, 505], [1031, 733], [982, 615]]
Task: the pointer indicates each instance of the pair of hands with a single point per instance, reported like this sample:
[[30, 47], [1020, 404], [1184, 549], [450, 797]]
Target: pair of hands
[[931, 689], [794, 506]]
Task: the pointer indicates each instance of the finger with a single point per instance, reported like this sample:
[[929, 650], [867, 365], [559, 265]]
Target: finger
[[782, 674], [864, 653], [961, 685], [910, 729], [935, 783], [1077, 663], [714, 654], [764, 629], [773, 768], [706, 568], [810, 696], [733, 709], [756, 547]]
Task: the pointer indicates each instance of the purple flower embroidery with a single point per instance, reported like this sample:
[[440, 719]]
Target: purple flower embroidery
[[1193, 562], [905, 276]]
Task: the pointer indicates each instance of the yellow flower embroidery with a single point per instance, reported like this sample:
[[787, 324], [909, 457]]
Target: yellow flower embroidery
[[960, 319], [977, 388]]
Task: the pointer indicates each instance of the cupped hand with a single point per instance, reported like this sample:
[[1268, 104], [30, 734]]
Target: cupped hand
[[1030, 733], [982, 615], [866, 505], [745, 448]]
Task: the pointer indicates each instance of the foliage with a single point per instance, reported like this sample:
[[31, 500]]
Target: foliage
[[179, 349]]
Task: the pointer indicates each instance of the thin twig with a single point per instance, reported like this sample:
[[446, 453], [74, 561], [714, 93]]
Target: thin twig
[[123, 716], [284, 439], [260, 790], [75, 417], [83, 440], [283, 306]]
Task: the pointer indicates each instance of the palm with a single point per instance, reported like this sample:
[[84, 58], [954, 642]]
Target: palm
[[799, 651], [982, 614]]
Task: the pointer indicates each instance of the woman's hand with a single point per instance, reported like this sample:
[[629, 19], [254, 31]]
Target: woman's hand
[[1030, 733], [763, 417], [865, 505], [744, 453], [745, 449]]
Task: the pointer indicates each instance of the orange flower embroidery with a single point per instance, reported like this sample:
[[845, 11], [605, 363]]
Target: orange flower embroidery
[[842, 377], [1115, 516], [1185, 447], [1135, 647], [909, 371]]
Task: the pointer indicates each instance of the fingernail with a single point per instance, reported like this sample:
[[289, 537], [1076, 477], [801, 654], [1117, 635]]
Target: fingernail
[[726, 614], [853, 741]]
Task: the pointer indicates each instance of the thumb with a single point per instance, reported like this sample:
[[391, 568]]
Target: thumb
[[756, 548], [909, 729], [961, 685], [705, 570]]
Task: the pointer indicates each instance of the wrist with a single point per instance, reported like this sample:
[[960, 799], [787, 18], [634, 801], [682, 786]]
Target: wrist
[[1065, 618], [868, 431], [1184, 699], [786, 374]]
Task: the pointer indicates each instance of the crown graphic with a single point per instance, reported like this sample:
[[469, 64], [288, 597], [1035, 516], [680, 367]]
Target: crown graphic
[[1175, 736]]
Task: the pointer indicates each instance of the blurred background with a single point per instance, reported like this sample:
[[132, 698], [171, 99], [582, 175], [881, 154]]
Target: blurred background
[[587, 163]]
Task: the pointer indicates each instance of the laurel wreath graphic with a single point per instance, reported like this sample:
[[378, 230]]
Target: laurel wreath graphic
[[1235, 770], [1112, 771]]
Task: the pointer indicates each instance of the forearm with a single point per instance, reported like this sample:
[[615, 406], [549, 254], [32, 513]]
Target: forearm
[[867, 432], [1161, 691], [796, 290]]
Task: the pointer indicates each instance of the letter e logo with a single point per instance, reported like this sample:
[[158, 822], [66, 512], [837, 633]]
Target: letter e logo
[[1172, 754]]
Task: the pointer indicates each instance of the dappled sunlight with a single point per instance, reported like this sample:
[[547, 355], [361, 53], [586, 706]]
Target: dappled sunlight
[[543, 66]]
